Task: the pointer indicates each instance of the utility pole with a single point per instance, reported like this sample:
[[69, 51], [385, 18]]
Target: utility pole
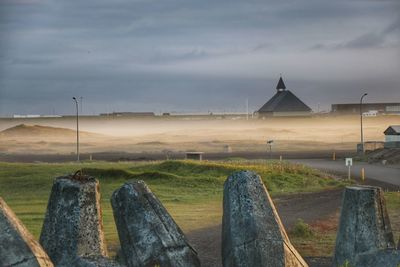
[[361, 123], [81, 101], [77, 128]]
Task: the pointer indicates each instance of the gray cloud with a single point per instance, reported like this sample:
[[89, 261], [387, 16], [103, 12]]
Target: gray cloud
[[388, 36], [365, 41], [174, 54]]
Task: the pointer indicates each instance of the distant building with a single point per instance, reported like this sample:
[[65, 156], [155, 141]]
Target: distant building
[[354, 108], [194, 155], [373, 145], [29, 116], [284, 103], [392, 136], [135, 114]]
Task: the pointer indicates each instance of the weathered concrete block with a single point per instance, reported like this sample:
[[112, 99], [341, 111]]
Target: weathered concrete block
[[384, 258], [73, 225], [252, 232], [364, 224], [94, 262], [17, 245], [148, 234]]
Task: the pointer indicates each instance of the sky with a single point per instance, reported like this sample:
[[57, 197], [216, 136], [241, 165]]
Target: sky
[[194, 56]]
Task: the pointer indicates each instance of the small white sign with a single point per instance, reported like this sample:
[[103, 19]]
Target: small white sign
[[349, 161]]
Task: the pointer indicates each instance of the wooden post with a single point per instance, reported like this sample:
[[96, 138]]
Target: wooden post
[[334, 156]]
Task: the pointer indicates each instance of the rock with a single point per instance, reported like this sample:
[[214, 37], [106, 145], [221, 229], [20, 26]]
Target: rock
[[17, 245], [148, 234], [73, 225], [252, 232], [364, 224], [384, 258]]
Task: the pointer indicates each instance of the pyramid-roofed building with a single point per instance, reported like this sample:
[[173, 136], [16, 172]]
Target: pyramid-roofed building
[[284, 103]]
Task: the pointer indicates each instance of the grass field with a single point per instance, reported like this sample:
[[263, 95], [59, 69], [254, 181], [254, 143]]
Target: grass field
[[191, 191]]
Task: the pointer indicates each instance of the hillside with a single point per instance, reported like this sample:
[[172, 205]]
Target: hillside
[[387, 155], [39, 131]]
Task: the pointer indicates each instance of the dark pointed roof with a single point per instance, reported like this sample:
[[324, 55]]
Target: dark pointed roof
[[284, 101], [281, 84]]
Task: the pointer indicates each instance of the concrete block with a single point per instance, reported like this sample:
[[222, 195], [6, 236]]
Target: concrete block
[[73, 225], [384, 258], [96, 261], [364, 224], [252, 232], [17, 245], [148, 234]]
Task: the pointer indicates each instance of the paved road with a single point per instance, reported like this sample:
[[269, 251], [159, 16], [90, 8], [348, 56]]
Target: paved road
[[381, 173], [143, 156]]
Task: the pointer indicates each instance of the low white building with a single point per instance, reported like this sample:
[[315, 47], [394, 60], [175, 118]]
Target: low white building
[[392, 136]]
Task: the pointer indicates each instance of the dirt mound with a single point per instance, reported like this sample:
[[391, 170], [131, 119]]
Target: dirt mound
[[390, 155], [39, 131]]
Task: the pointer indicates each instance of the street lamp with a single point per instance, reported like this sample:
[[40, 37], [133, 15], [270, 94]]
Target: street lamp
[[77, 128], [361, 121]]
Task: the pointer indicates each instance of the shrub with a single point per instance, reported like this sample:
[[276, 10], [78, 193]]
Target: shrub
[[302, 229]]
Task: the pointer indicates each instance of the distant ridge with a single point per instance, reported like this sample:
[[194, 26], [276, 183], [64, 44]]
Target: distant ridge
[[34, 131]]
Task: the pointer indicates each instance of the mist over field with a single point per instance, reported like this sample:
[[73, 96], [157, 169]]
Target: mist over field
[[180, 133]]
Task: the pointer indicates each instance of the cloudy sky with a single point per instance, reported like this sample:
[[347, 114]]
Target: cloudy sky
[[194, 56]]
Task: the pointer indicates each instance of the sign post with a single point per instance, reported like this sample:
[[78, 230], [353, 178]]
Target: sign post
[[349, 163], [269, 143]]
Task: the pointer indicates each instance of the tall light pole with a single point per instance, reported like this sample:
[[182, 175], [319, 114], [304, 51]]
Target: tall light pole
[[361, 122], [81, 98], [77, 128], [247, 109]]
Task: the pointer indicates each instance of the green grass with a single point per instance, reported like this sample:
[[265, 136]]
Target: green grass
[[318, 239], [322, 241], [393, 207], [190, 190]]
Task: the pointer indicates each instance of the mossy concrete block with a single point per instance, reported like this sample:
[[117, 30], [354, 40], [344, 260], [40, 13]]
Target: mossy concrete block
[[147, 233], [364, 224], [73, 224], [17, 245], [252, 232]]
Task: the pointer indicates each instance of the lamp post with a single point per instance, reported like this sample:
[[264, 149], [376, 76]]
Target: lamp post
[[77, 128], [361, 122], [247, 109]]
